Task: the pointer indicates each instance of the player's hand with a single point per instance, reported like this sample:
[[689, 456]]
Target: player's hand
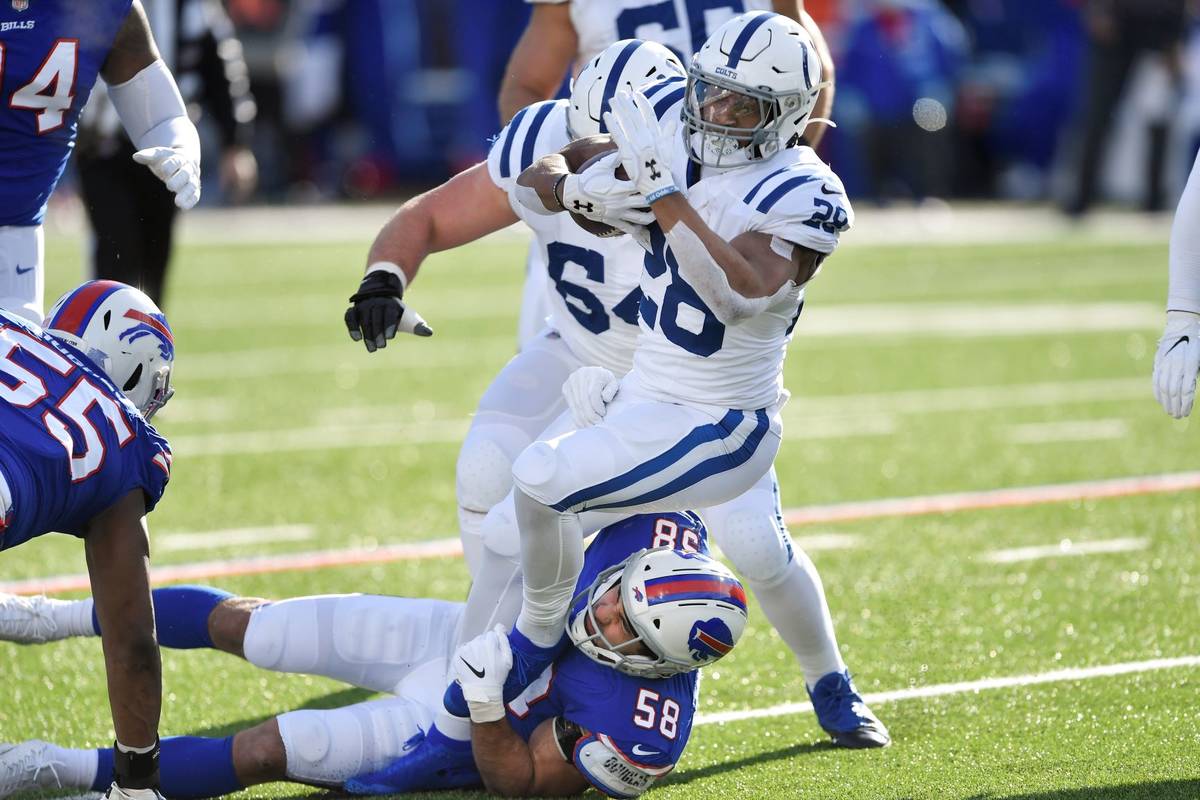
[[180, 173], [377, 310], [480, 667], [588, 391], [598, 194], [1177, 362], [645, 151], [117, 793]]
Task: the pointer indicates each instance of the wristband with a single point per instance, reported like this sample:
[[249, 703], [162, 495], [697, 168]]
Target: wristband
[[659, 194], [390, 267], [485, 711], [558, 191]]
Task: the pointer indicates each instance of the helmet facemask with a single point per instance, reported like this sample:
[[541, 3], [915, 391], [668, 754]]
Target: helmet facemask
[[714, 144]]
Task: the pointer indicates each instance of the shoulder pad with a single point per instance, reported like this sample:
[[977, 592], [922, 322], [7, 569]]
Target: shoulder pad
[[613, 772], [803, 203], [535, 131]]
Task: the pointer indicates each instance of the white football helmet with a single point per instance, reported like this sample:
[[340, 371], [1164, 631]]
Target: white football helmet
[[125, 333], [759, 66], [627, 64], [688, 609]]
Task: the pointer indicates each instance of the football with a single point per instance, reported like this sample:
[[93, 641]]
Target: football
[[580, 155]]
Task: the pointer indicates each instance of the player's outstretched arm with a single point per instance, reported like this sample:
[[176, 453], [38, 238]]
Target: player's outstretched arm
[[1178, 357], [118, 558], [540, 59], [461, 210], [152, 110]]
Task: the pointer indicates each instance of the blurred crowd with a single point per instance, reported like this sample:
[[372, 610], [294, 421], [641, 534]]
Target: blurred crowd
[[1072, 101]]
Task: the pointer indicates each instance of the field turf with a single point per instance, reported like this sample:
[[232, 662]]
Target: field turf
[[916, 370]]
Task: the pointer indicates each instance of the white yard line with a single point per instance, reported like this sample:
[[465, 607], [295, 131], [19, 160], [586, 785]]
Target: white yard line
[[965, 687], [1066, 547], [1085, 430], [978, 319], [174, 541]]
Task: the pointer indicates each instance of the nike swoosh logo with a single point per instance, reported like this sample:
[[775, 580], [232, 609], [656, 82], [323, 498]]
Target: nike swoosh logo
[[826, 190], [638, 750], [479, 673], [20, 271]]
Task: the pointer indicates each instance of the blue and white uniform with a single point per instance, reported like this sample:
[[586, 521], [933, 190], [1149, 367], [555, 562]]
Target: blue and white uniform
[[51, 52], [635, 728], [71, 444]]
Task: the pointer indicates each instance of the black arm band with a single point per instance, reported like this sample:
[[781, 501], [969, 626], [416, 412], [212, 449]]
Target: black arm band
[[566, 735], [136, 770], [557, 191]]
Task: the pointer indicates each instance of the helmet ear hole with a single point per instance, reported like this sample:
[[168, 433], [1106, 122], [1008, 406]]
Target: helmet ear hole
[[107, 319], [658, 623], [133, 379]]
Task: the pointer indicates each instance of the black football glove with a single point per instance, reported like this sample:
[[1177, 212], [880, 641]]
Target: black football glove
[[377, 311]]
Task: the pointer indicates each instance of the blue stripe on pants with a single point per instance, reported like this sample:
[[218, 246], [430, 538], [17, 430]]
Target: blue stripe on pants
[[702, 435], [705, 469]]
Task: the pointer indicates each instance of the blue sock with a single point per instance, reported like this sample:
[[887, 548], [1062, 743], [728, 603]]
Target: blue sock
[[181, 615], [189, 767]]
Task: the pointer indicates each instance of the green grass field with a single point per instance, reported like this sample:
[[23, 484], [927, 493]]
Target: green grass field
[[916, 370]]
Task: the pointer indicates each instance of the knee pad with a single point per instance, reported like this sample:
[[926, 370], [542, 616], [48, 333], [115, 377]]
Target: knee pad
[[326, 747], [538, 472], [499, 533], [755, 541], [280, 636], [483, 474]]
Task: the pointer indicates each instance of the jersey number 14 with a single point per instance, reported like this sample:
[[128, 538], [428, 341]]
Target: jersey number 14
[[52, 90]]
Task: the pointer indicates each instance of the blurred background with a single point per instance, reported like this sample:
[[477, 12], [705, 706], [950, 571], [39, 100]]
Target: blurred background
[[1069, 102]]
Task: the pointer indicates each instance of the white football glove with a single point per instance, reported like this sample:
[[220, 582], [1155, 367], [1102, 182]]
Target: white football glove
[[588, 391], [480, 666], [1177, 362], [645, 151], [117, 793], [598, 194], [171, 166]]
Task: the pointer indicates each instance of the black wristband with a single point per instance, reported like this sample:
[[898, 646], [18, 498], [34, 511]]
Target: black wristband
[[136, 770], [558, 197]]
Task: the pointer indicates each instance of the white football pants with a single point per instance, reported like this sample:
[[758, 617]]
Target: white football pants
[[386, 644], [22, 271]]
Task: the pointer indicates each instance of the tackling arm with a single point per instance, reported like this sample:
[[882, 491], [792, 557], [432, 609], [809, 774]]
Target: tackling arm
[[540, 59], [512, 767]]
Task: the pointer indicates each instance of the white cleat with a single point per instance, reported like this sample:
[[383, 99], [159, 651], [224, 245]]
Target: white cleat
[[27, 766], [28, 620]]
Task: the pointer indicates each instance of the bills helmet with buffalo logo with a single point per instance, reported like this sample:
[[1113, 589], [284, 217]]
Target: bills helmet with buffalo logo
[[686, 608]]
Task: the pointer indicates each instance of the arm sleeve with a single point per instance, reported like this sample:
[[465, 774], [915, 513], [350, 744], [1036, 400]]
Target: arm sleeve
[[1183, 288], [153, 113]]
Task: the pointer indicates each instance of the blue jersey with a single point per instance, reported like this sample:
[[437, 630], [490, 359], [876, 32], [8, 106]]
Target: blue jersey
[[636, 728], [71, 444], [50, 54]]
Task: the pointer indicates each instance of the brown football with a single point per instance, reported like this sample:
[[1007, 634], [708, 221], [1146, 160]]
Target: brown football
[[579, 155]]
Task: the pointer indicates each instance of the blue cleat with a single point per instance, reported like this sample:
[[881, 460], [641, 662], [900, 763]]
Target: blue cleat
[[529, 661], [430, 761], [842, 713]]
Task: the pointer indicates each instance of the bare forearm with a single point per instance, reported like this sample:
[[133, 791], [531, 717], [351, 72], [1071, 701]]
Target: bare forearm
[[504, 759], [824, 105], [543, 176], [404, 239]]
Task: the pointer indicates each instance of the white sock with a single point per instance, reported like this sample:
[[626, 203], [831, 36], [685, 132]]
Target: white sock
[[796, 608], [73, 617], [453, 727]]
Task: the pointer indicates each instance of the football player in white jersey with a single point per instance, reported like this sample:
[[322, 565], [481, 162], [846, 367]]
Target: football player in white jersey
[[696, 421], [562, 32], [1178, 358]]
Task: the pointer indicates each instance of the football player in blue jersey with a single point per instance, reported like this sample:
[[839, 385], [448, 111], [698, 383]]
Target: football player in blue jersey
[[78, 456], [51, 52], [613, 712]]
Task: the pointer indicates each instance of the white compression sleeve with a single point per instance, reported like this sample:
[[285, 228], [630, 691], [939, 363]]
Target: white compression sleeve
[[528, 197], [700, 269], [153, 112], [1183, 293]]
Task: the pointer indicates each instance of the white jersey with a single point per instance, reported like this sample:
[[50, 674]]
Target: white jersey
[[682, 25], [593, 293], [685, 354]]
